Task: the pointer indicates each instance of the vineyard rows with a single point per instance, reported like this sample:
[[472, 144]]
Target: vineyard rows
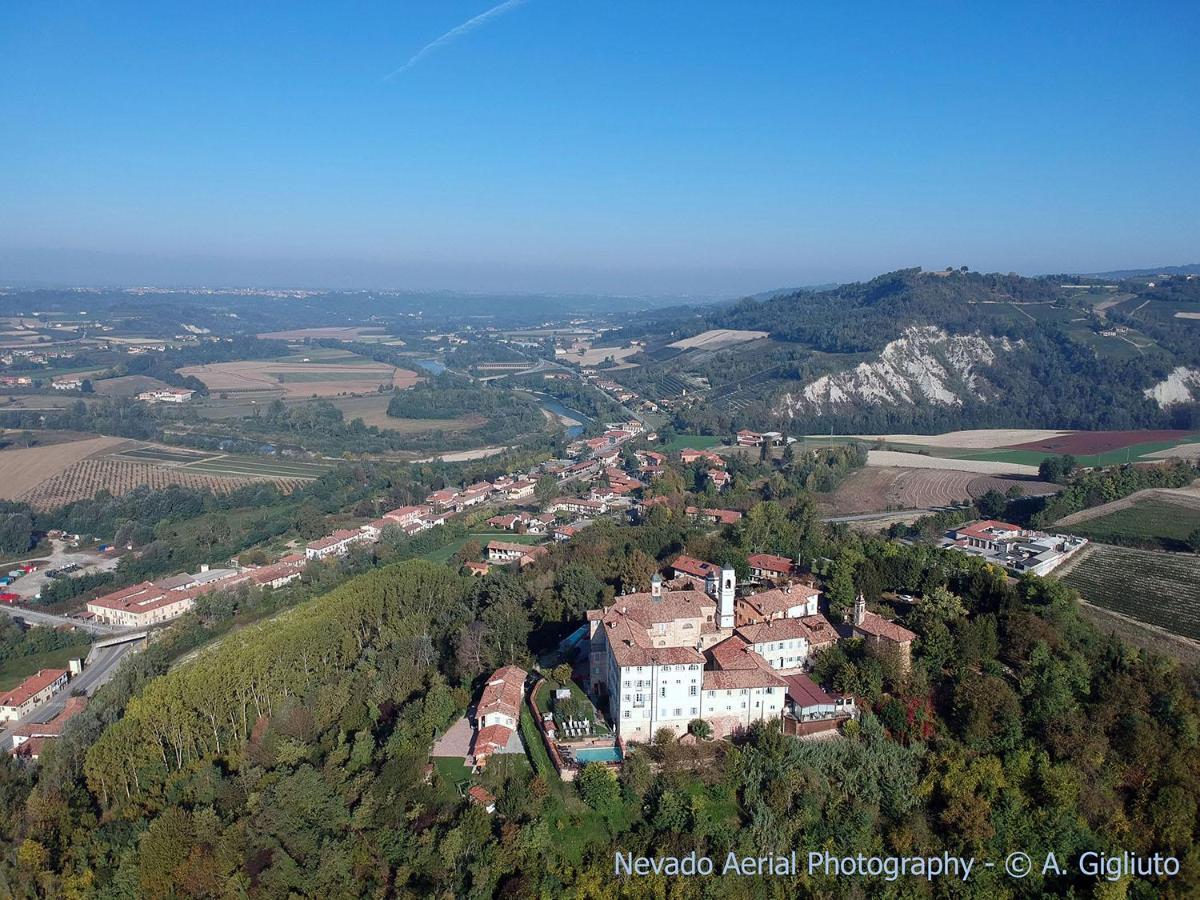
[[1162, 589], [84, 478]]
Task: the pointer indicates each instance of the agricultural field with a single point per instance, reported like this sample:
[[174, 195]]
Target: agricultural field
[[718, 339], [127, 385], [1021, 447], [120, 476], [268, 379], [352, 333], [587, 355], [1161, 589], [970, 464], [881, 488], [1156, 520], [24, 470]]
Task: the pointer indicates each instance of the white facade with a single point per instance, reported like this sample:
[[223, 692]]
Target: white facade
[[643, 699]]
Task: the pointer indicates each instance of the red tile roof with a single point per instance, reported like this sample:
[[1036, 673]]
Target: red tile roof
[[771, 563], [877, 626], [503, 692], [805, 692], [692, 566], [733, 679], [31, 686]]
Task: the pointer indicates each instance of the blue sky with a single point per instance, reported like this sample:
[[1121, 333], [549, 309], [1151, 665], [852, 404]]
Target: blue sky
[[699, 147]]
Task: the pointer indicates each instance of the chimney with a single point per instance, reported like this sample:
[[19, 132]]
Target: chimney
[[656, 586], [860, 609]]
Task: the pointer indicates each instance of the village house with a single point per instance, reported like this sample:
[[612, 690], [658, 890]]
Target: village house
[[714, 516], [769, 567], [30, 738], [883, 638], [407, 514], [520, 490], [719, 479], [688, 456], [31, 693], [336, 544], [503, 552], [443, 499], [809, 702], [497, 714], [684, 566], [746, 438], [67, 384], [580, 506]]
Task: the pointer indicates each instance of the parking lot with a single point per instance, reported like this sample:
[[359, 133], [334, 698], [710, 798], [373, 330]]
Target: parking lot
[[62, 556]]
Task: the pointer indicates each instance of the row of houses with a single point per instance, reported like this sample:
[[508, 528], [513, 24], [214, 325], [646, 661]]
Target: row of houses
[[32, 693], [154, 602]]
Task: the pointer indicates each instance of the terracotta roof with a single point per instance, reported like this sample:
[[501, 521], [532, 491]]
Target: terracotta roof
[[503, 692], [821, 630], [490, 739], [53, 728], [777, 630], [805, 692], [771, 563], [732, 679], [509, 547], [733, 653], [481, 795], [330, 540], [30, 686], [877, 626], [692, 566], [780, 600], [984, 530]]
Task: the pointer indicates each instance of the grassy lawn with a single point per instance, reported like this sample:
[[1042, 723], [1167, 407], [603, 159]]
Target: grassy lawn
[[17, 669], [693, 441], [453, 772], [1152, 524], [545, 701]]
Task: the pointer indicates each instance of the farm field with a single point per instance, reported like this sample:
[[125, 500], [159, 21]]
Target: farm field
[[23, 470], [351, 333], [127, 385], [1162, 589], [119, 476], [593, 356], [972, 464], [718, 339], [1030, 446], [299, 379], [879, 488], [1153, 522]]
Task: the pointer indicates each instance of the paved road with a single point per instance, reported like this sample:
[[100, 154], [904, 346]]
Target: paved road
[[33, 617], [104, 664]]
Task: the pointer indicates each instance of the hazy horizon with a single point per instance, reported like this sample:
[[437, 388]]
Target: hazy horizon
[[685, 149]]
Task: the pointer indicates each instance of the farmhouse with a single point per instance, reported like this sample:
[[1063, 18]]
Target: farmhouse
[[719, 478], [746, 438], [504, 552], [166, 395], [67, 384], [520, 490], [443, 499]]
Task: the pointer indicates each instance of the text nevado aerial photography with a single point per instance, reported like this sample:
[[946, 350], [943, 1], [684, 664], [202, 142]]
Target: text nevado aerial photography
[[539, 449]]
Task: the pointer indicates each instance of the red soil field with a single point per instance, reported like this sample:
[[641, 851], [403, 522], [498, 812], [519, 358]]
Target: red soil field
[[1083, 443]]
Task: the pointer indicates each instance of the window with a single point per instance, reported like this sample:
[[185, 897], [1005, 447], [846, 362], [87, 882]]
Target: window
[[626, 698], [662, 692], [692, 691], [641, 698], [627, 714], [678, 713], [695, 711]]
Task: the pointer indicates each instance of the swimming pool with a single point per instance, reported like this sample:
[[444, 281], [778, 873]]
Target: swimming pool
[[598, 754]]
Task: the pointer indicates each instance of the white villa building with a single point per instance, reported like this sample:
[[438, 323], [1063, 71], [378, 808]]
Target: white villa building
[[663, 658]]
